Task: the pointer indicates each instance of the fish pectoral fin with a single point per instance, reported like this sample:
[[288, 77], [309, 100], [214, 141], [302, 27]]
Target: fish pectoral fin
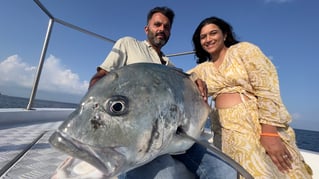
[[219, 154]]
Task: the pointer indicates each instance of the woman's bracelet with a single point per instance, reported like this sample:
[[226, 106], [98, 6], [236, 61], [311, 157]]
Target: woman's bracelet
[[269, 134]]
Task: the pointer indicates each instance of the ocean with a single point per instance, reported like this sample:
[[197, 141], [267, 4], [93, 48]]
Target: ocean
[[306, 139], [19, 102]]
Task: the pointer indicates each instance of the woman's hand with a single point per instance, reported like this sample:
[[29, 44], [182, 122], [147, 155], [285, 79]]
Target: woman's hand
[[201, 85], [277, 151]]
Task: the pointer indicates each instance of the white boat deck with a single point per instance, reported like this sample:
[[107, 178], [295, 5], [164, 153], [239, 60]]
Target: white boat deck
[[24, 148]]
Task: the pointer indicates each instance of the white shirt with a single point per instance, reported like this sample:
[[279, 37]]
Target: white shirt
[[128, 50]]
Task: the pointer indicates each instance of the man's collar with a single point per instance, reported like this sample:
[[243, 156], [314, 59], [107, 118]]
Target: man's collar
[[150, 46]]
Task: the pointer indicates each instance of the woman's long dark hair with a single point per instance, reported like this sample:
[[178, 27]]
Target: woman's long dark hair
[[225, 27]]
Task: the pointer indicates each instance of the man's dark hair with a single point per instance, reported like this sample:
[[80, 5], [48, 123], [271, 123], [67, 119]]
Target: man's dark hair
[[169, 13]]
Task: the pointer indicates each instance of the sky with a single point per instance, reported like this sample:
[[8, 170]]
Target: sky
[[285, 30]]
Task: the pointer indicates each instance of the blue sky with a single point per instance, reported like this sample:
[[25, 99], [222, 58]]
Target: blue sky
[[286, 31]]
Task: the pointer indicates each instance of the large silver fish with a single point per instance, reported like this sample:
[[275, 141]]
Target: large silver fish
[[131, 116]]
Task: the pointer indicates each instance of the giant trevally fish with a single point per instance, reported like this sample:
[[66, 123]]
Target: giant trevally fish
[[131, 116]]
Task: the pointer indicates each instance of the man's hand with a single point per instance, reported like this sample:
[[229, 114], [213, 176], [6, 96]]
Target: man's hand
[[100, 74], [202, 87]]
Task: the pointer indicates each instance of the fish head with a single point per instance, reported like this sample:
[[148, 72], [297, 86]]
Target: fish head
[[131, 116]]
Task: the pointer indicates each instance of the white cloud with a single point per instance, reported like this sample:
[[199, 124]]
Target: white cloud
[[54, 77], [14, 71], [58, 78]]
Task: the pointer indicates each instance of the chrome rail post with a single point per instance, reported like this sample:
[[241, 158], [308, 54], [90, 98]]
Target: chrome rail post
[[43, 54], [40, 66]]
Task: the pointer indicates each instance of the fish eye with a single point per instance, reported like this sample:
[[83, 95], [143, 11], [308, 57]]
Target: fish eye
[[117, 105]]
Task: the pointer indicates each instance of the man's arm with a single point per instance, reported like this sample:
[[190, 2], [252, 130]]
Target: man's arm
[[99, 74]]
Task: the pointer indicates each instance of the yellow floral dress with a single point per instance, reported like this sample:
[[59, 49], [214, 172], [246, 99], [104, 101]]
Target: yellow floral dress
[[247, 71]]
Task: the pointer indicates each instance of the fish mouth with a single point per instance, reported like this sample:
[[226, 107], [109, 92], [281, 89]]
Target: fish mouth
[[110, 164]]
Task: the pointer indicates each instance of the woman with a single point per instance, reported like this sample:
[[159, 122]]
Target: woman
[[253, 121]]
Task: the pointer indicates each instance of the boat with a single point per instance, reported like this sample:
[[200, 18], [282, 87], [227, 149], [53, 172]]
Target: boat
[[24, 148]]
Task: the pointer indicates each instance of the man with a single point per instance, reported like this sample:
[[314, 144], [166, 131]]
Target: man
[[128, 50]]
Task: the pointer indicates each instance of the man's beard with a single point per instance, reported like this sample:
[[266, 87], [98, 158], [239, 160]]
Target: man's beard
[[155, 41]]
